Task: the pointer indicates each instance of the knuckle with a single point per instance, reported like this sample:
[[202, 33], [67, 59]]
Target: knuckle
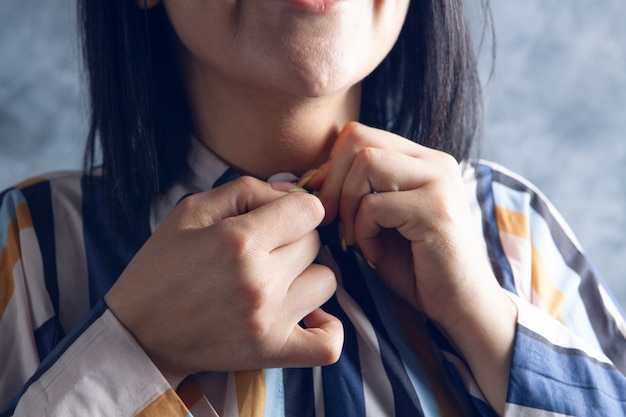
[[368, 155], [448, 162], [331, 348], [258, 294], [369, 203], [254, 296], [257, 327], [237, 238], [247, 181], [326, 280], [352, 129], [352, 135], [192, 213], [188, 203]]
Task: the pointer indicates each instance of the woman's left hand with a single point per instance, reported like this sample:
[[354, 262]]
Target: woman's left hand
[[405, 207]]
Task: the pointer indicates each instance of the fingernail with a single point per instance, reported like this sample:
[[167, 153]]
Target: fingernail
[[307, 176], [304, 181], [371, 265], [344, 245], [297, 190]]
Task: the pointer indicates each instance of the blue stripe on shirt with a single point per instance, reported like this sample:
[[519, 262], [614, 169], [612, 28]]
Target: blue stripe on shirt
[[409, 359], [274, 394], [39, 199], [471, 405], [299, 393], [47, 336], [108, 247], [229, 175], [602, 322], [10, 200], [592, 387], [499, 261], [405, 398], [343, 386]]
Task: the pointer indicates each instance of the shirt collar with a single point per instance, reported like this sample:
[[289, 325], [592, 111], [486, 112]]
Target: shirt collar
[[205, 170]]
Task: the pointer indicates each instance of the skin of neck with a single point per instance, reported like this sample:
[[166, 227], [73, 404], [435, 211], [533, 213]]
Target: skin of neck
[[261, 131]]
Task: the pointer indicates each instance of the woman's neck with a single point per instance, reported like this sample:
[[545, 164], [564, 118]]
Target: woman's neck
[[261, 133]]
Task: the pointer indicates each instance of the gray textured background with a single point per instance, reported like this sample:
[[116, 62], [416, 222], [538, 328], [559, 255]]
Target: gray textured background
[[556, 107]]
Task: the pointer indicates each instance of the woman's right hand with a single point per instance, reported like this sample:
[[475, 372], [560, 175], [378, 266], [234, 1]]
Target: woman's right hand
[[223, 283]]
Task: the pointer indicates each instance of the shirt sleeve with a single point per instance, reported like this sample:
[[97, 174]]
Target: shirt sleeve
[[553, 370], [569, 356], [98, 369]]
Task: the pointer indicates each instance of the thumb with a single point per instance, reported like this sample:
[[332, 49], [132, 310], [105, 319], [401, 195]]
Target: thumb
[[232, 199], [320, 343]]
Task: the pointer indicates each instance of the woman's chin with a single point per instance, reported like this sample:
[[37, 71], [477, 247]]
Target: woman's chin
[[319, 83]]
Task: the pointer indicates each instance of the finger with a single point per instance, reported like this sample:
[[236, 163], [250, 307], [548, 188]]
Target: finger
[[353, 137], [234, 198], [378, 170], [318, 344], [392, 210], [314, 178], [312, 288], [279, 222], [336, 169], [301, 252], [294, 258]]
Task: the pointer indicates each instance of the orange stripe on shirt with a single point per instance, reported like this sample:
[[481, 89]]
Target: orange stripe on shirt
[[167, 404], [11, 254], [513, 222], [551, 298], [518, 225], [29, 182], [250, 393]]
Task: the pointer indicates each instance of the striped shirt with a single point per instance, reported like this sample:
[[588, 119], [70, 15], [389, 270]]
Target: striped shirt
[[63, 353]]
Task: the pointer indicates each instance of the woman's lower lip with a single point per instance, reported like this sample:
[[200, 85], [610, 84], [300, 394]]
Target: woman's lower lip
[[315, 6]]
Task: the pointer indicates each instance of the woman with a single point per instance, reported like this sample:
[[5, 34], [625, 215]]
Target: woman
[[193, 273]]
